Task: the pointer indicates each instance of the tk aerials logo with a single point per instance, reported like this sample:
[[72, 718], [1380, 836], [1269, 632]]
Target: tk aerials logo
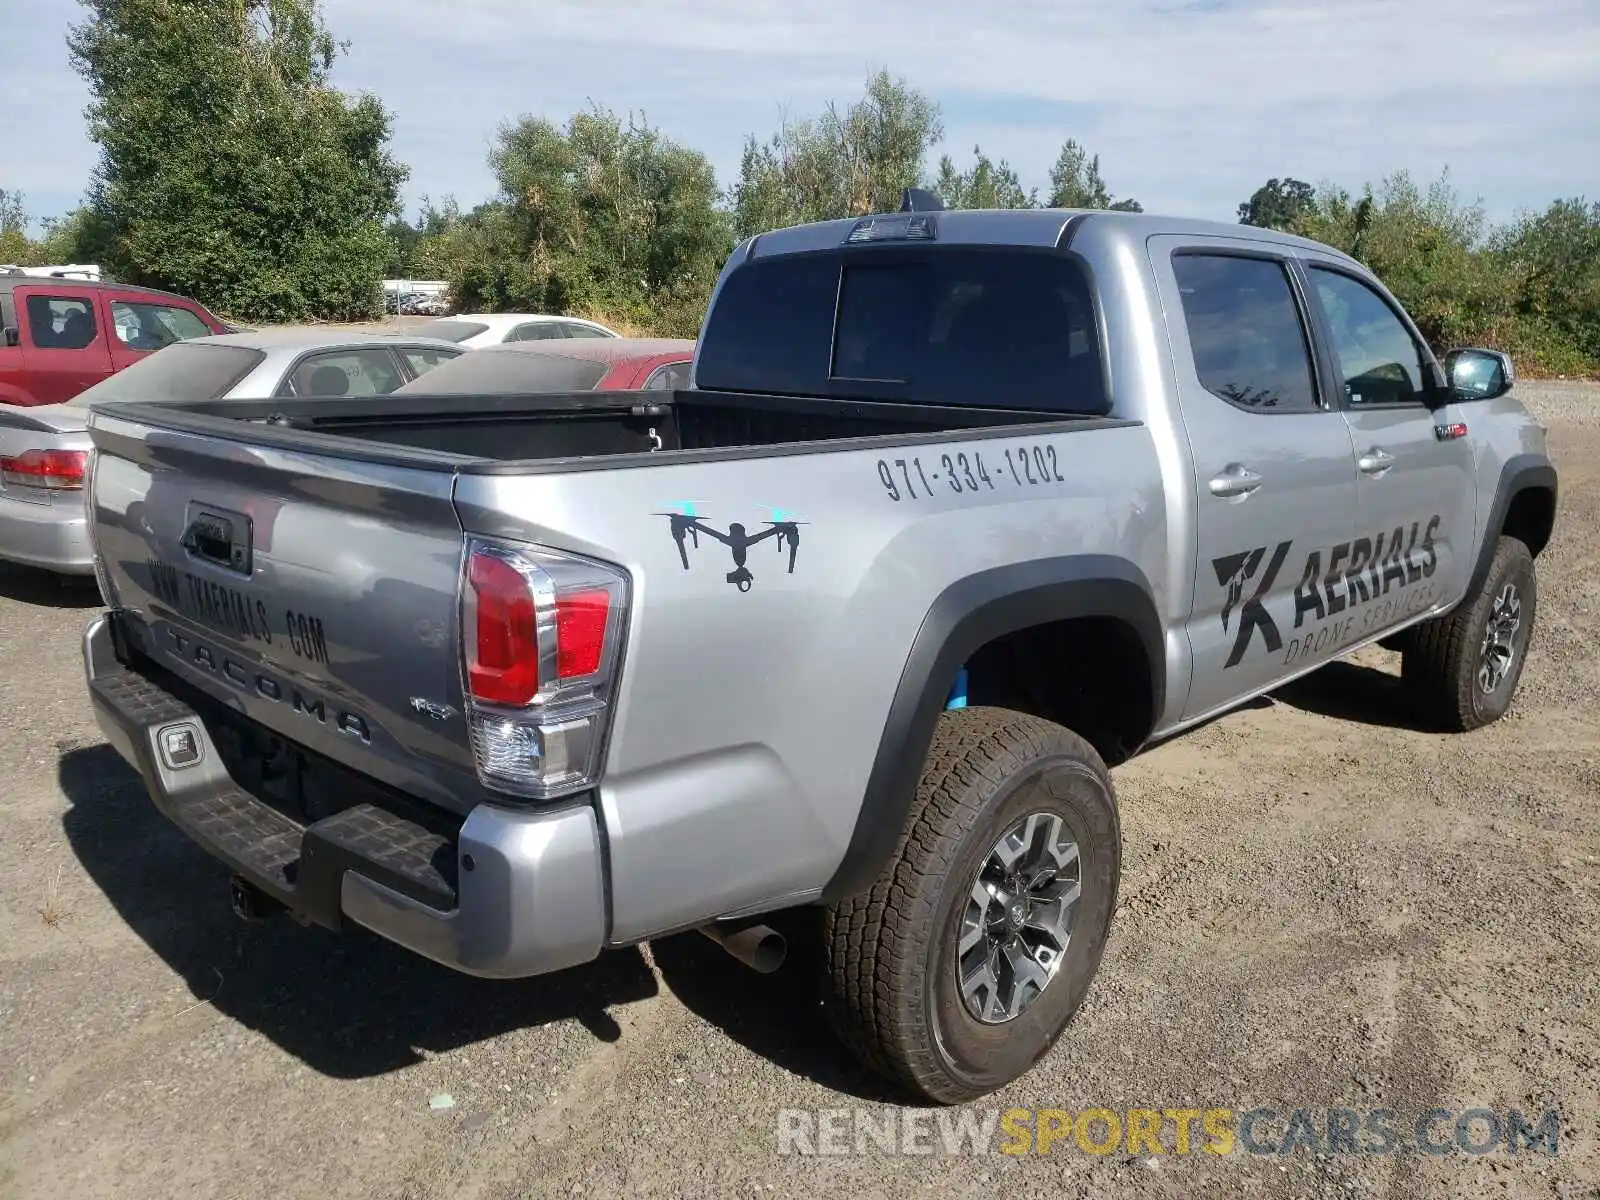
[[1356, 573], [1235, 572]]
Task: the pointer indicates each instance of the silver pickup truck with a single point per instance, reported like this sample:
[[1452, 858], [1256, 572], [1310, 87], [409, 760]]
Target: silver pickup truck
[[960, 508]]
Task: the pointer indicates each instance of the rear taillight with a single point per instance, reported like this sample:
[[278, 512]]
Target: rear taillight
[[541, 634], [54, 470]]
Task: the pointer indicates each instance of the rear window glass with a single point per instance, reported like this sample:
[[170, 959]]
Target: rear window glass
[[494, 372], [182, 371], [449, 331], [994, 327]]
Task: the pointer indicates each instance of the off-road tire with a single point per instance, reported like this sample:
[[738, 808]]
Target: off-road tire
[[891, 989], [1441, 664]]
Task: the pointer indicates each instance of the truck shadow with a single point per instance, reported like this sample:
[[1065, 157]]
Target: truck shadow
[[30, 586], [777, 1016], [1353, 692], [350, 1005]]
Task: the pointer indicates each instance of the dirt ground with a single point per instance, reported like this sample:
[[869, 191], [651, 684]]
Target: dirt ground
[[1323, 907]]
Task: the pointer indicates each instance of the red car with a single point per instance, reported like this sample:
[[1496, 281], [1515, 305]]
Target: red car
[[59, 336], [564, 365]]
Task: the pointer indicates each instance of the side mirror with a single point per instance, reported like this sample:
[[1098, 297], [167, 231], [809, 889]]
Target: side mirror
[[13, 336], [1477, 374]]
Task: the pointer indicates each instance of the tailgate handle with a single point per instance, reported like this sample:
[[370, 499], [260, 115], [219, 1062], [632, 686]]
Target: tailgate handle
[[220, 538]]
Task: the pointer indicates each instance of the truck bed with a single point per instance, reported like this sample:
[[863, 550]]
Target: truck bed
[[519, 432]]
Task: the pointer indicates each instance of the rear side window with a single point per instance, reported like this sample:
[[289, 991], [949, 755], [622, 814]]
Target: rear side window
[[422, 359], [183, 371], [1245, 332], [61, 322], [537, 331], [575, 330], [671, 377], [152, 326], [494, 372], [994, 327], [365, 372]]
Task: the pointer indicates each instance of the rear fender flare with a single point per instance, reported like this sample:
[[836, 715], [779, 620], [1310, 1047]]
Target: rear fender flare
[[966, 615]]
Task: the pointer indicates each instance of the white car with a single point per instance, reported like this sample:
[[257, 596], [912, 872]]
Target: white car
[[473, 330]]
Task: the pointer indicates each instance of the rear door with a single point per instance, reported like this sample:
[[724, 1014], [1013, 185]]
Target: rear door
[[1416, 487], [1275, 493], [65, 347]]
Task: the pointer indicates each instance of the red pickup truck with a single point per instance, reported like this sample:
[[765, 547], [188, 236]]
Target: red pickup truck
[[58, 336]]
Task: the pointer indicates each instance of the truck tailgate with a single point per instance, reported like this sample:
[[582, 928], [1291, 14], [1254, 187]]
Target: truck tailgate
[[317, 595]]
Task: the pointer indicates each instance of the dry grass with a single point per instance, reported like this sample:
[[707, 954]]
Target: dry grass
[[54, 910]]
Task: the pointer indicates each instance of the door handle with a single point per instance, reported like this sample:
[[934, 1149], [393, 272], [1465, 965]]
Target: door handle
[[1375, 461], [1235, 480]]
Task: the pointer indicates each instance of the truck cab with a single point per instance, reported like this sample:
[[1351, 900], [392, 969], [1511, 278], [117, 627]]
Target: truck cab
[[60, 336]]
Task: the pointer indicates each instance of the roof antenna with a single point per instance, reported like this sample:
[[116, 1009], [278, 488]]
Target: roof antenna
[[920, 200]]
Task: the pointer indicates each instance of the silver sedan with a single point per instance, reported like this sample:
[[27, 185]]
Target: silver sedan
[[44, 449]]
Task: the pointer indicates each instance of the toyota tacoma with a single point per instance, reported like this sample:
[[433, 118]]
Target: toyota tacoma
[[959, 510]]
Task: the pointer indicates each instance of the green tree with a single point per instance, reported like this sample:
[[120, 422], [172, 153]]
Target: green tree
[[1076, 182], [600, 217], [1553, 259], [231, 169], [15, 247], [840, 164], [1278, 204], [985, 184]]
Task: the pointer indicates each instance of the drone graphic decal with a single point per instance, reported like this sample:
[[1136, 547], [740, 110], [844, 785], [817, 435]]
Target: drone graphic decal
[[686, 526]]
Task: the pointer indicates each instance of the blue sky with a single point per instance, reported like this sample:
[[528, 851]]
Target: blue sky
[[1191, 104]]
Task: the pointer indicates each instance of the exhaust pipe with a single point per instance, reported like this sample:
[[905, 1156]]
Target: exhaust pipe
[[759, 947]]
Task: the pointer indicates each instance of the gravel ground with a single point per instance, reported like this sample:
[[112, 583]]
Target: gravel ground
[[1322, 908]]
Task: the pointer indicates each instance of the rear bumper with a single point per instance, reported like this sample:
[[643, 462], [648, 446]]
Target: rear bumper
[[52, 537], [511, 894]]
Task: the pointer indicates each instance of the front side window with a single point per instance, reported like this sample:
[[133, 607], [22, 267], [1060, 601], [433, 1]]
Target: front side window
[[1245, 332], [141, 326], [1378, 359], [364, 372], [61, 322], [575, 330]]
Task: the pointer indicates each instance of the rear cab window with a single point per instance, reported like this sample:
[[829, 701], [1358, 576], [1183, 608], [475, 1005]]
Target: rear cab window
[[1000, 327]]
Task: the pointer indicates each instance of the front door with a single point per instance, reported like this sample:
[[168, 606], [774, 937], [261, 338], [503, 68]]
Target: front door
[[64, 347], [1275, 472], [1416, 489]]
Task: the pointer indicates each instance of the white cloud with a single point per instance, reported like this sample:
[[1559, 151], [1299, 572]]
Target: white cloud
[[1190, 103]]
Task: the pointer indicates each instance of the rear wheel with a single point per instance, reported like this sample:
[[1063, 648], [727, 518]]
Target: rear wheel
[[962, 965], [1462, 669]]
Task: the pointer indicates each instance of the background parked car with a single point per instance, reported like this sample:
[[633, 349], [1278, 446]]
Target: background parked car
[[473, 330], [620, 364], [44, 449], [61, 336]]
